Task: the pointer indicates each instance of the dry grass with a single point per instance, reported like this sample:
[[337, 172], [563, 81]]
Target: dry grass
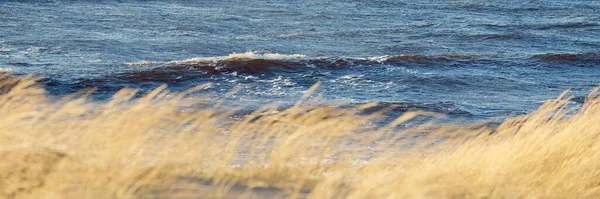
[[157, 146]]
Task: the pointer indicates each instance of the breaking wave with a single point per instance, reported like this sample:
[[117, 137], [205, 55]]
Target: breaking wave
[[253, 62], [234, 57]]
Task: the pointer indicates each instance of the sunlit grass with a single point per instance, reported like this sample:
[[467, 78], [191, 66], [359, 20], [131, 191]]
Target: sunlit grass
[[157, 146]]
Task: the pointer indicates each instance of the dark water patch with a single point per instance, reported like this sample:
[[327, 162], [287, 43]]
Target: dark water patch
[[537, 26], [58, 87], [23, 64], [497, 36], [397, 108], [566, 25], [589, 57], [162, 75], [28, 64], [496, 25], [415, 58], [104, 88], [442, 60], [578, 99]]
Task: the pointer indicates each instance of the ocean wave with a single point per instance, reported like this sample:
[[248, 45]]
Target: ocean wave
[[251, 62], [250, 55], [233, 57], [569, 57], [417, 58]]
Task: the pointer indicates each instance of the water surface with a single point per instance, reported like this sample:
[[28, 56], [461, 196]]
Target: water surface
[[468, 59]]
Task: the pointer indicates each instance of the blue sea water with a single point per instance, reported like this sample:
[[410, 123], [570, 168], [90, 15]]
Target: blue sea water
[[470, 59]]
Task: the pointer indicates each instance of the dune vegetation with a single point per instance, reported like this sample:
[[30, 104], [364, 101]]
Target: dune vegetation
[[181, 145]]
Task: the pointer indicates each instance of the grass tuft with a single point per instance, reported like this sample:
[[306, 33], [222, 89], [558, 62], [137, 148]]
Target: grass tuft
[[157, 146]]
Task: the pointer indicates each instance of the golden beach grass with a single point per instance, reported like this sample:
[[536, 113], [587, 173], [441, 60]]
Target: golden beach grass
[[177, 145]]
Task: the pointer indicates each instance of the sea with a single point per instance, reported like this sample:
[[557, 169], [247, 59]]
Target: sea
[[467, 59]]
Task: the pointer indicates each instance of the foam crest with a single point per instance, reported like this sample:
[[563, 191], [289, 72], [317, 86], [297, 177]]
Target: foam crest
[[250, 55], [377, 59], [422, 58]]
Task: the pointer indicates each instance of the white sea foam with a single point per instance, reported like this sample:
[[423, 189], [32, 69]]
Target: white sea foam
[[350, 77], [5, 70], [291, 36], [250, 55], [32, 50], [250, 37], [377, 59]]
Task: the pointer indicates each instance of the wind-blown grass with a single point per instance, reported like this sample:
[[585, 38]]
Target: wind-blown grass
[[168, 144]]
